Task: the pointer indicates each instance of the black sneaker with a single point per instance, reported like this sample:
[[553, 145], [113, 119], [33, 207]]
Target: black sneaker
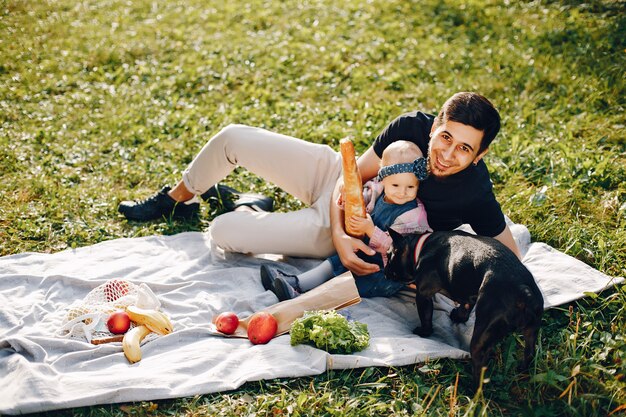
[[289, 286], [267, 277], [269, 273], [225, 198], [284, 290], [160, 205]]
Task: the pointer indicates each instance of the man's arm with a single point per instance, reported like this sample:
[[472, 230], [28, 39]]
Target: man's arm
[[368, 164], [506, 238], [345, 245]]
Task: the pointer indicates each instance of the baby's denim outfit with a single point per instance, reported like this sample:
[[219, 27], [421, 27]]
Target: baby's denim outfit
[[376, 285]]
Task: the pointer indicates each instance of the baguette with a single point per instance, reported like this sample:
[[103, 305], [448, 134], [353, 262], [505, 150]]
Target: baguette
[[353, 202]]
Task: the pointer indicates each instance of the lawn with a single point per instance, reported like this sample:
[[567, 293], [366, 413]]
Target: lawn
[[104, 100]]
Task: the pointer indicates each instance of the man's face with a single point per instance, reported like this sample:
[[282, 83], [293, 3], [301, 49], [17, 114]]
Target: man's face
[[453, 147]]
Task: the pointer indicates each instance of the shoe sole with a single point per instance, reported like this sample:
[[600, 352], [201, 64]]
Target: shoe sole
[[259, 203], [221, 193]]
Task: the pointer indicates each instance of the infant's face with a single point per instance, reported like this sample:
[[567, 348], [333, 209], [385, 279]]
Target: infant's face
[[400, 188]]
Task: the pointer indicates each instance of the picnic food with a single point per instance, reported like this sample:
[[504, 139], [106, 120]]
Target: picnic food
[[115, 288], [118, 322], [227, 322], [75, 312], [147, 321], [262, 328], [113, 295], [154, 320], [131, 342], [330, 331], [353, 202]]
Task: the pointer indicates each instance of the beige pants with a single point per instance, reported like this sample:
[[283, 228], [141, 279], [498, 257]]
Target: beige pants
[[308, 171]]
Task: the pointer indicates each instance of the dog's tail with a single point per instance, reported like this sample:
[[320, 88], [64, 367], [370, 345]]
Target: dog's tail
[[528, 309]]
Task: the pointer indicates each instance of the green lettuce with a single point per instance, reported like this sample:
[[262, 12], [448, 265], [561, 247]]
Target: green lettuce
[[330, 331]]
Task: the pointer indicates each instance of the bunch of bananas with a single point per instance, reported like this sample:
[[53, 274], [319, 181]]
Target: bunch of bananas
[[147, 321]]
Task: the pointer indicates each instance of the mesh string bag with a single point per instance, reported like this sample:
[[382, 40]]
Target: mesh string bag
[[86, 318]]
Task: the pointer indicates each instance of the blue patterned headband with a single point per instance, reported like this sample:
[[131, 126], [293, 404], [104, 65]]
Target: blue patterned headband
[[417, 167]]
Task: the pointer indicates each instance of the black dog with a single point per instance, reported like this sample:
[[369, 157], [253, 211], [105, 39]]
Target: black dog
[[470, 270]]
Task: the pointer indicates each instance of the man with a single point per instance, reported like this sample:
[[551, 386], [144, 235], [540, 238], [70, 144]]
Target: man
[[458, 191]]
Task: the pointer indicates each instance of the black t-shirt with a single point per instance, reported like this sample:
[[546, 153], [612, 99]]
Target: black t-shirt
[[465, 197]]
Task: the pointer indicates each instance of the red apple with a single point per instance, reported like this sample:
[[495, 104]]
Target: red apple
[[115, 288], [262, 328], [118, 322], [227, 322]]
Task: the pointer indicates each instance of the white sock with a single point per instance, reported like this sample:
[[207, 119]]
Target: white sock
[[316, 276]]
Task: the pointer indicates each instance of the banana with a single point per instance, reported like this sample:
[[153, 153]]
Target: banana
[[147, 321], [131, 342], [152, 319]]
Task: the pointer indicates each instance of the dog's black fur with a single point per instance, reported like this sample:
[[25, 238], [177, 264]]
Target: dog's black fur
[[471, 270]]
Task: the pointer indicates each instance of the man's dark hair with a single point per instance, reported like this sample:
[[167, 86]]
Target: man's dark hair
[[474, 110]]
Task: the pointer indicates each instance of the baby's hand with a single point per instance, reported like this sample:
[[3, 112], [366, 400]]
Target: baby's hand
[[362, 225]]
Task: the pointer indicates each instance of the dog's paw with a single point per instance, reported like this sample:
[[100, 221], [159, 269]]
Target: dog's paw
[[459, 314], [422, 331]]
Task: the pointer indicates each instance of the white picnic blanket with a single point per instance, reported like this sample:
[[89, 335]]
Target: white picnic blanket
[[40, 371]]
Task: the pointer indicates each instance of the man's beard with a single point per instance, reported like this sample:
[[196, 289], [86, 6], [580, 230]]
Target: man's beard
[[433, 173]]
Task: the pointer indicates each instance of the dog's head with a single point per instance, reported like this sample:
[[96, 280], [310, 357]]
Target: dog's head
[[400, 264]]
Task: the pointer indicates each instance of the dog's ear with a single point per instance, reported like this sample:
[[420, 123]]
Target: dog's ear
[[395, 236]]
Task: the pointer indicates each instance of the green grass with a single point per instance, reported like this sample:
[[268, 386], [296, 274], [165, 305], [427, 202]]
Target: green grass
[[106, 100]]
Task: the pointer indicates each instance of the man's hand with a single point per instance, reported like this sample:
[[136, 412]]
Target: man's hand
[[347, 247], [362, 225]]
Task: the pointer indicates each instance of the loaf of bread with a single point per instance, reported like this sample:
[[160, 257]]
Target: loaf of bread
[[354, 204]]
